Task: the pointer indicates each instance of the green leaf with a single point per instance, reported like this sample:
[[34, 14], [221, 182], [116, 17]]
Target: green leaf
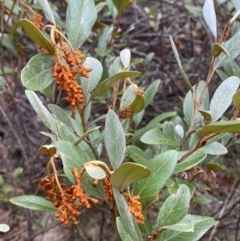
[[222, 97], [122, 231], [138, 104], [17, 172], [102, 52], [236, 4], [127, 174], [107, 83], [185, 78], [201, 225], [203, 199], [127, 218], [150, 92], [37, 36], [60, 114], [114, 139], [128, 97], [162, 167], [71, 156], [206, 114], [81, 16], [191, 161], [157, 137], [210, 16], [232, 47], [195, 10], [236, 99], [47, 11], [112, 9], [175, 207], [215, 148], [188, 104], [136, 154], [37, 74], [179, 130], [4, 228], [161, 117], [115, 67], [95, 172], [218, 49], [33, 202], [94, 77], [121, 5], [220, 127], [183, 226], [125, 56], [41, 110]]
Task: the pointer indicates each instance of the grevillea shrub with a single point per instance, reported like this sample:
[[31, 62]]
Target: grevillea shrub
[[108, 161]]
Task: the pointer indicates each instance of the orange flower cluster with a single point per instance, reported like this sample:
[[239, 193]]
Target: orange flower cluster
[[65, 199], [66, 75], [135, 208], [128, 112], [108, 188], [37, 20]]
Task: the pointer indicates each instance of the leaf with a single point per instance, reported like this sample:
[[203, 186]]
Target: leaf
[[218, 49], [232, 47], [203, 199], [17, 172], [185, 78], [48, 150], [236, 99], [161, 167], [215, 148], [201, 225], [179, 130], [161, 117], [175, 207], [71, 156], [138, 104], [210, 16], [121, 5], [4, 228], [222, 97], [128, 97], [95, 172], [125, 56], [33, 202], [127, 174], [136, 154], [188, 103], [94, 77], [150, 92], [157, 137], [81, 16], [206, 114], [107, 83], [47, 11], [114, 139], [41, 110], [112, 9], [127, 218], [60, 114], [122, 231], [220, 127], [236, 4], [36, 35], [191, 161], [102, 52], [195, 10], [37, 74]]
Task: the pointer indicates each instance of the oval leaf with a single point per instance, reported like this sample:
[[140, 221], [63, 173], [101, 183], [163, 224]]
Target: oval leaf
[[150, 92], [125, 56], [95, 172], [81, 16], [218, 49], [128, 97], [34, 203], [121, 5], [48, 150], [127, 174], [122, 231], [37, 74], [236, 99], [175, 207], [138, 104], [36, 35], [210, 16], [94, 77], [114, 139], [47, 11], [222, 97], [4, 228]]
